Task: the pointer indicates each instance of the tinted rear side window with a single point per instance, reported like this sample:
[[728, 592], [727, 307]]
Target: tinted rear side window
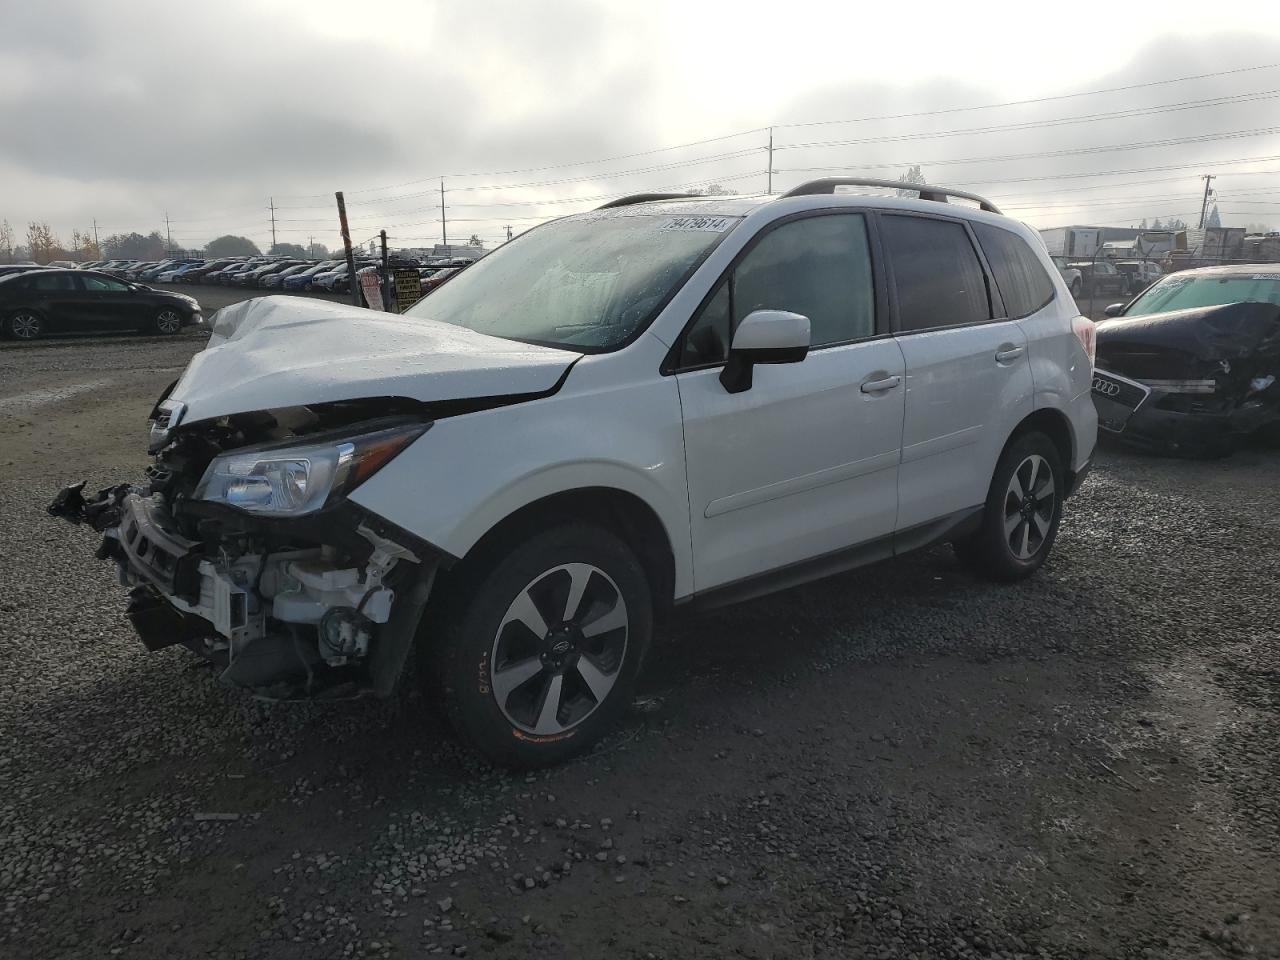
[[1022, 281], [53, 282], [937, 275]]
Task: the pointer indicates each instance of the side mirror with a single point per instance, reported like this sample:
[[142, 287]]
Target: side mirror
[[1115, 309], [764, 336]]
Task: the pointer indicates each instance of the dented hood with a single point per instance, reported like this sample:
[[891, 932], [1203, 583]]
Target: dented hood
[[289, 351]]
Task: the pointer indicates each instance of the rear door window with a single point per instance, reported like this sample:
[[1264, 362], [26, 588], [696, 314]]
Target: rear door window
[[53, 282], [102, 284], [937, 275], [1024, 285]]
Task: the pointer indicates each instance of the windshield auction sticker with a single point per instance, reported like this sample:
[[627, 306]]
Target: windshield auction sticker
[[711, 224]]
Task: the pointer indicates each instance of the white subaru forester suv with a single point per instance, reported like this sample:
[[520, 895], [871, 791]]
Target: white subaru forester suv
[[658, 403]]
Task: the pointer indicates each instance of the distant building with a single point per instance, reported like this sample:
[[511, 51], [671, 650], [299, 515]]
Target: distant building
[[1084, 242], [1211, 243], [1262, 248]]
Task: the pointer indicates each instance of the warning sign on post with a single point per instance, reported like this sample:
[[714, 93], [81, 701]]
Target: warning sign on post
[[408, 289], [372, 287]]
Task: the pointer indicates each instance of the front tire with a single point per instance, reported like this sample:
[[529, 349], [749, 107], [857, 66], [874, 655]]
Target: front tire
[[539, 652], [25, 325], [1022, 512], [167, 322]]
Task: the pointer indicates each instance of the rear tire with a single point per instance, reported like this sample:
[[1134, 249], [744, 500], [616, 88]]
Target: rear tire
[[565, 614], [25, 325], [1022, 512], [1075, 287]]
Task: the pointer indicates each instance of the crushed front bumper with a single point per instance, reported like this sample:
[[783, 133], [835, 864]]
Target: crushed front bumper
[[283, 617], [1169, 422]]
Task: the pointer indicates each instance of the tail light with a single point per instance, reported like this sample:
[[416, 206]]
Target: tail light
[[1084, 330]]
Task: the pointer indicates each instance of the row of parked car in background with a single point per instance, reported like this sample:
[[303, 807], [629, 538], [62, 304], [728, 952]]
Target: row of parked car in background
[[38, 300], [1087, 278], [271, 273]]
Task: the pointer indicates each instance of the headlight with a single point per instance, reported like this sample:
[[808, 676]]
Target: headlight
[[296, 480]]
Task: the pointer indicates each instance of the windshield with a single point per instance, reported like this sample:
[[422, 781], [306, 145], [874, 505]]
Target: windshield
[[1181, 292], [588, 283]]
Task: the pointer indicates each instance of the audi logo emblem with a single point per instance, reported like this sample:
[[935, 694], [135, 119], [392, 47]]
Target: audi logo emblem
[[1105, 387]]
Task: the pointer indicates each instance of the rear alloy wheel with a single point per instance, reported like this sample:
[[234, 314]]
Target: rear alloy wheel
[[1030, 505], [540, 654], [1022, 512], [168, 321], [25, 325]]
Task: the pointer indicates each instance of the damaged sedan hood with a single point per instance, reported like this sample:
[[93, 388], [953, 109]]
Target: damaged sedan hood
[[287, 351], [1176, 342]]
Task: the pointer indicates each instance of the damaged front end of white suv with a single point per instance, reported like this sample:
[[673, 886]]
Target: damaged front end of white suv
[[241, 545], [242, 541]]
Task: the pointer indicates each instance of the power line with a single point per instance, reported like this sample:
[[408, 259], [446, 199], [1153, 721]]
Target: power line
[[553, 166], [1039, 124], [1067, 152], [763, 129], [1022, 103]]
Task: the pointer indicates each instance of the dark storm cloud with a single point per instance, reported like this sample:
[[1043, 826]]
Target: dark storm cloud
[[204, 105], [220, 92], [124, 112]]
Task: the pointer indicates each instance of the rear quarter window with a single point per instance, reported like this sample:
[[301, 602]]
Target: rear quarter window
[[1023, 282]]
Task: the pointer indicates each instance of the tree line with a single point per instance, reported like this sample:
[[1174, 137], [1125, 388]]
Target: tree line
[[41, 245]]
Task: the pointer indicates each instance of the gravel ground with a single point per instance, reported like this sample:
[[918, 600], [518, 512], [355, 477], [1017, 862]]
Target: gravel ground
[[899, 762]]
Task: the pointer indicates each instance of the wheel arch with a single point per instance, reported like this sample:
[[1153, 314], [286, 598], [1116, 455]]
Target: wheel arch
[[625, 514], [1056, 426]]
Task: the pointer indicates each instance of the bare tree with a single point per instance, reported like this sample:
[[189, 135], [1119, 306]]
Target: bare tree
[[712, 190], [6, 239], [41, 243], [913, 175]]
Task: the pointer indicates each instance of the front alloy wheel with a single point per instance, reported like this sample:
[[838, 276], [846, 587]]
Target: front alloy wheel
[[168, 321], [559, 649], [534, 645]]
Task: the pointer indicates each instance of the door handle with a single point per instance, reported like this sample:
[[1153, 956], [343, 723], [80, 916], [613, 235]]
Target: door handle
[[1005, 354], [879, 386]]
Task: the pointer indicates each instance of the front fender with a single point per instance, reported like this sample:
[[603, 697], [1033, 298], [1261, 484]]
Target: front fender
[[470, 472]]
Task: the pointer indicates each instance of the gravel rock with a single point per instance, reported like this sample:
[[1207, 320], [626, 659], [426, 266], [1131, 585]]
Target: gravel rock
[[1078, 765]]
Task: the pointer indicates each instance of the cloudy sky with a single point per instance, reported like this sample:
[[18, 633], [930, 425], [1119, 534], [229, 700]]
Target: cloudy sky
[[125, 111]]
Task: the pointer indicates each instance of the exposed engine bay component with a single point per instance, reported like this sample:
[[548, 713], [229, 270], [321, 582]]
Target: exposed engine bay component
[[1192, 382], [288, 602]]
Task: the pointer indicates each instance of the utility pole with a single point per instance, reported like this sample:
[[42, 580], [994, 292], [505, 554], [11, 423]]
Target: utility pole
[[311, 246], [386, 273], [769, 187], [346, 243], [168, 237], [444, 230], [95, 237], [1204, 204], [271, 204]]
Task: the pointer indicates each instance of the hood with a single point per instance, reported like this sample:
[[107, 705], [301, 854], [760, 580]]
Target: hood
[[273, 352], [1222, 332], [1232, 343]]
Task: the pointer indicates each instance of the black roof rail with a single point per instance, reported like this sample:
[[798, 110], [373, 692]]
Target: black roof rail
[[927, 192], [648, 198]]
